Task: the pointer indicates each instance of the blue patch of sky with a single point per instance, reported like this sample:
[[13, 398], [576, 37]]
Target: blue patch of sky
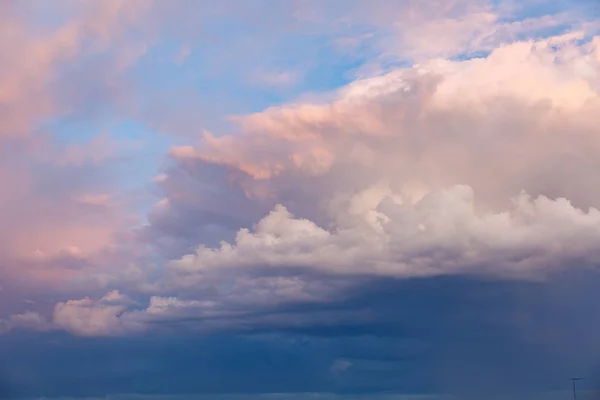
[[221, 70], [144, 151], [585, 9], [139, 152], [72, 130], [231, 88], [470, 55]]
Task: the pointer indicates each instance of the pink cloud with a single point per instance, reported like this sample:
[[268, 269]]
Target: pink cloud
[[411, 121], [31, 61], [54, 219]]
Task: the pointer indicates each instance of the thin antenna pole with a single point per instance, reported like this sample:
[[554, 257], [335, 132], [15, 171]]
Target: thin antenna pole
[[574, 390]]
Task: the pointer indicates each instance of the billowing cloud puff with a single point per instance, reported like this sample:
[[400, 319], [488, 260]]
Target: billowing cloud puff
[[478, 123], [432, 122], [440, 234], [287, 260], [90, 317]]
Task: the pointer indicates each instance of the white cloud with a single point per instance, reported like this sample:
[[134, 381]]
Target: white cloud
[[440, 234], [89, 317]]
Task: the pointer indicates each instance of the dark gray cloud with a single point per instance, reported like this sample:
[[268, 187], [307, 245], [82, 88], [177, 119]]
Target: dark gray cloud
[[462, 336]]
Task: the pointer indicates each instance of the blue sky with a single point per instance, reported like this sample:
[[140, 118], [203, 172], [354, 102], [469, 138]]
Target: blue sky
[[299, 199]]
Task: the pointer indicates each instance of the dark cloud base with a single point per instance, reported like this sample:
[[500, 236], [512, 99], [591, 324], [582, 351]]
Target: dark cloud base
[[461, 336]]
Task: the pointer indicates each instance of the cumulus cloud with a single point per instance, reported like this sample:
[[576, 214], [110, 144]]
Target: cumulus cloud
[[477, 122], [479, 166], [440, 234], [547, 84], [432, 170], [236, 302], [88, 317]]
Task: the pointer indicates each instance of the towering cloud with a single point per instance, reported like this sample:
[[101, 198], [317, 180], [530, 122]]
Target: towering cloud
[[477, 167]]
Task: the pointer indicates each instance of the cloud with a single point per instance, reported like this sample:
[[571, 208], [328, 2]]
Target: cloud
[[58, 216], [426, 128], [59, 204], [29, 320], [61, 76], [33, 60], [548, 81], [287, 261], [431, 170], [439, 234], [88, 317], [277, 78], [390, 33], [239, 303]]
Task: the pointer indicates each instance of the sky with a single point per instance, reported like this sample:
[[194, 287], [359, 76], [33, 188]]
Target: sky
[[299, 199]]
